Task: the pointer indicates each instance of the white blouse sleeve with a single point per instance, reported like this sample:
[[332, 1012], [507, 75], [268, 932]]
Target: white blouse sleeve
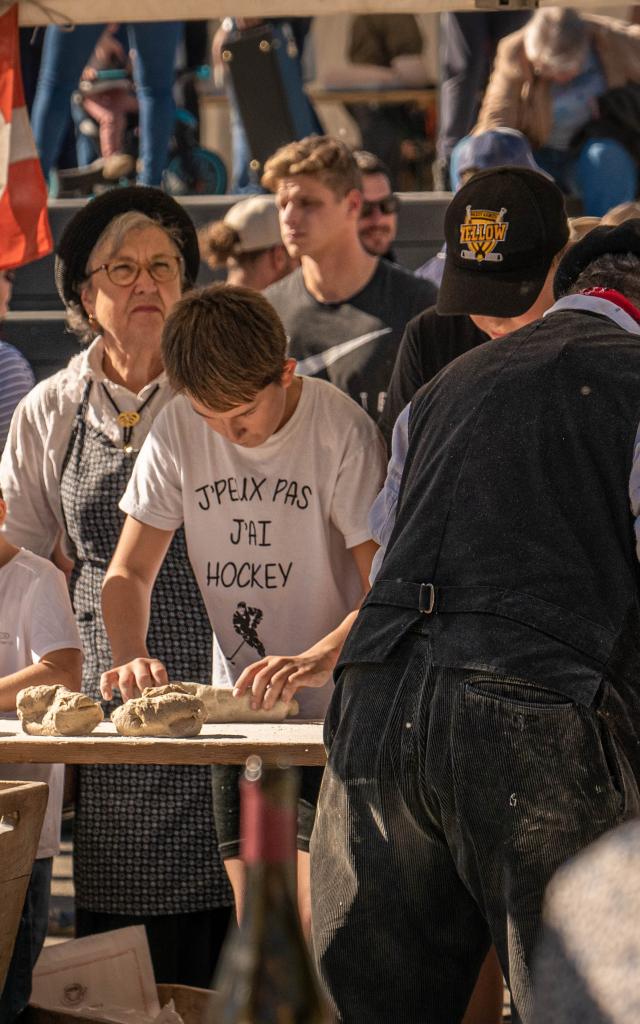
[[29, 471]]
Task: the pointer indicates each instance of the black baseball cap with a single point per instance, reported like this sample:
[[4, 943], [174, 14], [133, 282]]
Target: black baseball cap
[[502, 230], [85, 227], [622, 238]]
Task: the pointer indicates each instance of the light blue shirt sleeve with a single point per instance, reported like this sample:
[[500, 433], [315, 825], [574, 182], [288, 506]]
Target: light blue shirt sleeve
[[382, 516], [634, 490]]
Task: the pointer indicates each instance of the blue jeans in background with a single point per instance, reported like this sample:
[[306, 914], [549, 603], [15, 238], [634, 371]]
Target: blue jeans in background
[[64, 56], [32, 932], [603, 174]]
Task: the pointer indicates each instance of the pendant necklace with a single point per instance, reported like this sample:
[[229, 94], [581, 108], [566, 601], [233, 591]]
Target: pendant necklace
[[128, 419]]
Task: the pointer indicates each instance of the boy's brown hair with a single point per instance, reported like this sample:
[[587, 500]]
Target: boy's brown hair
[[222, 345], [328, 159]]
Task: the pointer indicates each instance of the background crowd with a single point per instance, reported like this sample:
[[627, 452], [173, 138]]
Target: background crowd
[[113, 99]]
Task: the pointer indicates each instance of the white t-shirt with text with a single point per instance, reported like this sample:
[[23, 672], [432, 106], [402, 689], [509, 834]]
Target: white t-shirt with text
[[36, 618], [268, 529]]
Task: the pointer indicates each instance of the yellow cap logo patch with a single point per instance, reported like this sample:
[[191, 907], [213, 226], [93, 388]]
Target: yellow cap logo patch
[[481, 232]]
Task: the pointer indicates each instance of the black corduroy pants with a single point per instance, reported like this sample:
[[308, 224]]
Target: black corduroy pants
[[449, 799]]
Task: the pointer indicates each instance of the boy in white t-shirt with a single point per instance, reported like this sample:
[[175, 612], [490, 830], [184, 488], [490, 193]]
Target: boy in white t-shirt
[[39, 644], [272, 476]]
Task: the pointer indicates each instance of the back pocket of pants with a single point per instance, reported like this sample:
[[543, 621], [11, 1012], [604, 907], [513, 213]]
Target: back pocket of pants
[[517, 693]]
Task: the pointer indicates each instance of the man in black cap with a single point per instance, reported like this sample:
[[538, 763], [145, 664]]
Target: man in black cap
[[517, 288], [484, 724]]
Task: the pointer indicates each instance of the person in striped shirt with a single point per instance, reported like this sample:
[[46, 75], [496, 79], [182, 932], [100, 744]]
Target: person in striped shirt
[[16, 375]]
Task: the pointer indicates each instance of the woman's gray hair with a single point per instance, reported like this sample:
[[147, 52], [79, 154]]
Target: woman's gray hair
[[112, 238], [556, 40], [620, 271]]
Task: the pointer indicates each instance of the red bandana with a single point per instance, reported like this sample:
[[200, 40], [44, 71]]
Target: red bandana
[[613, 296]]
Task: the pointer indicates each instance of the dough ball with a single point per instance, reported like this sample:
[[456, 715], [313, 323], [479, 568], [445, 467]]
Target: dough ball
[[160, 691], [171, 713], [221, 706], [56, 711]]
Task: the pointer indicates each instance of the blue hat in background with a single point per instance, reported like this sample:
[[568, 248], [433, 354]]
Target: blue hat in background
[[498, 147]]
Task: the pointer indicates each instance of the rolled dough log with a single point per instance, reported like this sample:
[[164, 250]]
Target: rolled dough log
[[56, 711], [221, 706], [170, 713]]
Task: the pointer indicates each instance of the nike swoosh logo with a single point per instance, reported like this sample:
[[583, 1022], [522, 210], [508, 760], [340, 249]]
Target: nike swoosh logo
[[320, 361]]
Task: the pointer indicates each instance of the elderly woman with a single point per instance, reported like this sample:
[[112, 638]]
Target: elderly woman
[[145, 848], [546, 82]]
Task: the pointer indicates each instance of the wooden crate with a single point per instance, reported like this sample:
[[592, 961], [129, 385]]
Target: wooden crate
[[22, 807], [195, 1006]]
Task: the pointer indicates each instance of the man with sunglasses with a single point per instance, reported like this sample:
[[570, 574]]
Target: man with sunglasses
[[16, 376], [344, 310], [378, 224]]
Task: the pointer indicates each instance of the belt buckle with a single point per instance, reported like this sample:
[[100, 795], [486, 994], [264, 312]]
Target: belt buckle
[[427, 598]]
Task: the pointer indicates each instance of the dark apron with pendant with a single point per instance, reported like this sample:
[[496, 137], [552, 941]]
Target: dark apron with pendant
[[145, 840]]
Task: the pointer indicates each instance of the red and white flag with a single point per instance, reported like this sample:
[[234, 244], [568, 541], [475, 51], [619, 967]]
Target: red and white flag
[[25, 233]]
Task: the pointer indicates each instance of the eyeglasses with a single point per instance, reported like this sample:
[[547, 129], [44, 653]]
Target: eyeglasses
[[126, 272], [388, 204]]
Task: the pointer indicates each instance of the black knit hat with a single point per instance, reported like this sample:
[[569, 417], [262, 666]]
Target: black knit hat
[[83, 230], [502, 230], [623, 238]]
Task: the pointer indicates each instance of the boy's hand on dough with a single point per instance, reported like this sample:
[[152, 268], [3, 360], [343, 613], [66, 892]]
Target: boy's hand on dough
[[132, 678], [277, 678]]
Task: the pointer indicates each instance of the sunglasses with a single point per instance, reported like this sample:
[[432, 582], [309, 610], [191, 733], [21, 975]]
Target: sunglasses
[[388, 204]]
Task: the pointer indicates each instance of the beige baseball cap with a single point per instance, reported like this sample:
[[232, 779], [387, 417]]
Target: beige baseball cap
[[256, 222]]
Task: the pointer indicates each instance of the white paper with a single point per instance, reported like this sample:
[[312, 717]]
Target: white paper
[[111, 974]]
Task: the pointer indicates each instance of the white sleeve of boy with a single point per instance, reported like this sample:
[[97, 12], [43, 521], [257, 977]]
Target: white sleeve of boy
[[359, 481], [154, 492], [53, 625]]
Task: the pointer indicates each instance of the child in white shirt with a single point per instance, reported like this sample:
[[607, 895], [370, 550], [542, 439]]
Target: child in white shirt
[[39, 644], [272, 476]]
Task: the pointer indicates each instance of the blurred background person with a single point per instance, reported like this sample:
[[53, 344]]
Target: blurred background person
[[378, 224], [588, 964], [386, 52], [547, 80], [16, 376], [64, 57], [247, 243], [106, 93], [468, 42]]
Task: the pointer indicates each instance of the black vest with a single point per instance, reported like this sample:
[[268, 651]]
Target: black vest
[[514, 547]]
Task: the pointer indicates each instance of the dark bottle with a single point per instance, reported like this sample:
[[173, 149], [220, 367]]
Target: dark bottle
[[266, 975]]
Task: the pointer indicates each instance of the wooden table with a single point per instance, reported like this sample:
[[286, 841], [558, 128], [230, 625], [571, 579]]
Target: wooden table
[[293, 742]]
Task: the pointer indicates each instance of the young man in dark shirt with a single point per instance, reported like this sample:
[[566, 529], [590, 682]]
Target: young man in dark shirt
[[344, 310]]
